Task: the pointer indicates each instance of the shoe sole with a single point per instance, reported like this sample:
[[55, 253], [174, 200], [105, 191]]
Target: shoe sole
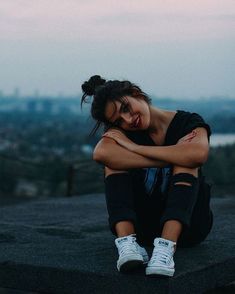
[[157, 271], [131, 265], [128, 263]]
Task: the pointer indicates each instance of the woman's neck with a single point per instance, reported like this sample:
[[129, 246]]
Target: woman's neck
[[159, 120]]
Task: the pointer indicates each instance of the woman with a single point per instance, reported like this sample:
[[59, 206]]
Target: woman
[[155, 191]]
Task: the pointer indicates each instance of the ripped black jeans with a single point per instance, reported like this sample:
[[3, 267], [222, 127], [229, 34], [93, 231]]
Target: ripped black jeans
[[145, 197]]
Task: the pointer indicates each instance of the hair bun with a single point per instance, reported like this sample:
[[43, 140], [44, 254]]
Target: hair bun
[[90, 86]]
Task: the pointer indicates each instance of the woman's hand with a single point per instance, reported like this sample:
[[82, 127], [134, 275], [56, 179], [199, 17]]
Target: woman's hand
[[121, 139], [188, 137]]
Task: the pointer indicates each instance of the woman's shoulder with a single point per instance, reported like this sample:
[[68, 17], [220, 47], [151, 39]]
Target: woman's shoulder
[[182, 124]]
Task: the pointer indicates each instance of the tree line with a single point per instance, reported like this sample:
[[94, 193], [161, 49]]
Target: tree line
[[37, 152]]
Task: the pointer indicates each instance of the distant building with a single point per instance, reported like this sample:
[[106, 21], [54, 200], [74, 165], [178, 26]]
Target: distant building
[[35, 105], [16, 92], [47, 105], [32, 105]]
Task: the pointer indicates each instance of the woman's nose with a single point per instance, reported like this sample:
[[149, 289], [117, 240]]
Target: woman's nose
[[127, 117]]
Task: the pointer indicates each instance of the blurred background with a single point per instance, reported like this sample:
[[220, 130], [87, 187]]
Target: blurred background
[[181, 53]]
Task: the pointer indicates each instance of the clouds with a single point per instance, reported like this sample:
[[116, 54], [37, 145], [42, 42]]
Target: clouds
[[171, 47], [107, 19], [221, 17]]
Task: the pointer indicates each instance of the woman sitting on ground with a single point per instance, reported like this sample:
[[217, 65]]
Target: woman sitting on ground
[[154, 187]]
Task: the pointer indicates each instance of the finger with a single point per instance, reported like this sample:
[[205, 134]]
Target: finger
[[111, 133], [189, 136], [116, 130], [107, 134]]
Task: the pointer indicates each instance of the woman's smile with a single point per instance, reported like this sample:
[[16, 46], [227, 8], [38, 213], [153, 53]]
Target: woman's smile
[[136, 123], [128, 114]]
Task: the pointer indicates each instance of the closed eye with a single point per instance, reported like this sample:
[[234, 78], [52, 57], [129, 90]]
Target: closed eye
[[125, 107]]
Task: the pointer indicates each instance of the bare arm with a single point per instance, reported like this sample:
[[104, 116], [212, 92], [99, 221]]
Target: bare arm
[[191, 151], [114, 156], [187, 154]]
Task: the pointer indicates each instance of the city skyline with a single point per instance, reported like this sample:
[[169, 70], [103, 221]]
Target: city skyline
[[17, 93]]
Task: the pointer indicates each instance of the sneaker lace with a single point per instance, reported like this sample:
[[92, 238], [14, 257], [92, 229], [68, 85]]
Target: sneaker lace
[[130, 246], [161, 255]]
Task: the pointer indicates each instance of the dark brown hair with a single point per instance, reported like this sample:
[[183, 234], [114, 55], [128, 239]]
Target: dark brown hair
[[104, 91]]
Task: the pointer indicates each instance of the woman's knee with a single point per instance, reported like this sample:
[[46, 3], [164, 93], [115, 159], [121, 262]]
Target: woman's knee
[[108, 171], [177, 170], [180, 169]]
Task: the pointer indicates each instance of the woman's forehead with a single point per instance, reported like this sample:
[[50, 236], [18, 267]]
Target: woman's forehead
[[111, 108]]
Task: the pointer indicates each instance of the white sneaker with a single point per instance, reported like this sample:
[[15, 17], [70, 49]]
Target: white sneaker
[[161, 262], [131, 254]]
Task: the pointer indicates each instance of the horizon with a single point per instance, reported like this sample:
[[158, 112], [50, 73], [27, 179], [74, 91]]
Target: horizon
[[39, 97]]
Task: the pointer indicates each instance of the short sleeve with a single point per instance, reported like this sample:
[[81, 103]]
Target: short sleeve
[[196, 121], [182, 124]]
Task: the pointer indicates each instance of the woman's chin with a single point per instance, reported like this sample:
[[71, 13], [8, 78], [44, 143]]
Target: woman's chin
[[144, 125]]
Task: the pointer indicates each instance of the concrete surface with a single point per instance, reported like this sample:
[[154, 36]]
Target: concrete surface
[[63, 245]]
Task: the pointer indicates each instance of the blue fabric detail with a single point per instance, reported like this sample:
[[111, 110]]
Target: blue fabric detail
[[151, 178], [157, 176], [166, 174]]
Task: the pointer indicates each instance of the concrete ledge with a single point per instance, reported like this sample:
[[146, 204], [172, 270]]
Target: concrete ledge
[[63, 245]]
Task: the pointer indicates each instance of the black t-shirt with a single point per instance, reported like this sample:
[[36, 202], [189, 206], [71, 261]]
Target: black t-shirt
[[182, 124]]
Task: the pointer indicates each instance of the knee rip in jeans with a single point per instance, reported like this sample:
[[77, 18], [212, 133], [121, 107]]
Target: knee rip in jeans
[[183, 184], [183, 179], [108, 171]]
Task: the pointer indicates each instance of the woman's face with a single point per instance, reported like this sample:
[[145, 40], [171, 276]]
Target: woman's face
[[131, 114]]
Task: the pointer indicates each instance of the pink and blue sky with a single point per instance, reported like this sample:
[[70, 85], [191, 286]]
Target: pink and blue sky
[[170, 47]]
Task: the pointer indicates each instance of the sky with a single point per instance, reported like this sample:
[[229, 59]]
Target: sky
[[170, 48]]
